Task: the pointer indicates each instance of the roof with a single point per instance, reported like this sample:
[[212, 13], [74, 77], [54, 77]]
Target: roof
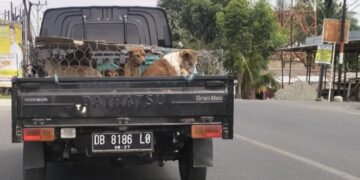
[[311, 44]]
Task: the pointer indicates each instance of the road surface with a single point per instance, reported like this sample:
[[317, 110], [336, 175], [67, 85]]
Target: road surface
[[274, 140]]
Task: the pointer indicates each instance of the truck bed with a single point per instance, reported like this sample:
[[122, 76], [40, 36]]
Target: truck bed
[[123, 101]]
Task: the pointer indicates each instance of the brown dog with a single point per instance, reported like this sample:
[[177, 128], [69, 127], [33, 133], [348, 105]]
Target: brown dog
[[136, 59], [160, 68], [182, 63], [111, 73]]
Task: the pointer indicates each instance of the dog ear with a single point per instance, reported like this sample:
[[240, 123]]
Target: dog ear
[[187, 55], [131, 53]]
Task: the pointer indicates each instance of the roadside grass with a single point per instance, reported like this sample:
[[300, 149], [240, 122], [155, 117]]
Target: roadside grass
[[4, 93], [5, 96]]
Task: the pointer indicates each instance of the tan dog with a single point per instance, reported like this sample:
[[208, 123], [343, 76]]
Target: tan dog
[[111, 73], [160, 68], [182, 63], [136, 59], [52, 67]]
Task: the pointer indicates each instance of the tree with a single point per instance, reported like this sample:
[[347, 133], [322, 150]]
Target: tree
[[249, 35], [173, 9], [324, 9], [193, 22]]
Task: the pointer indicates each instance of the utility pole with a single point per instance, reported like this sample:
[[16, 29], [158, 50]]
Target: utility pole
[[341, 55], [38, 7], [291, 40], [11, 12], [282, 52], [314, 6], [328, 4]]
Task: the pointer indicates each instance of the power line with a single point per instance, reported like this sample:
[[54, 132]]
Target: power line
[[353, 3], [354, 7]]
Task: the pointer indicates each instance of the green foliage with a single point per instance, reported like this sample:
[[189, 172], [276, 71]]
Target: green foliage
[[193, 21], [173, 9], [201, 22], [249, 34], [265, 81]]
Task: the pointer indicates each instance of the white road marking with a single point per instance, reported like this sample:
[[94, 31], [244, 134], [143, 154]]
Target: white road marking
[[299, 158]]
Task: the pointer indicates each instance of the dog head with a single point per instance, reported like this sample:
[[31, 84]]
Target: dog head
[[189, 60], [111, 73], [137, 56]]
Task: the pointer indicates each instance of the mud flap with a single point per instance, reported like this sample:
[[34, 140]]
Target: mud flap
[[33, 155], [202, 152]]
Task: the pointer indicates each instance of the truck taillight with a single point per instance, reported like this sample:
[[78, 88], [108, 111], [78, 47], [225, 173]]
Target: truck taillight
[[206, 131], [38, 134]]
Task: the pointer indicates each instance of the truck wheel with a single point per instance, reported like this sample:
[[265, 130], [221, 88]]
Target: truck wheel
[[186, 168], [34, 174]]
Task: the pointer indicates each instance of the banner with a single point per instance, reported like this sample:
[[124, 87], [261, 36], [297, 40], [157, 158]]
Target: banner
[[4, 38], [323, 54], [11, 54]]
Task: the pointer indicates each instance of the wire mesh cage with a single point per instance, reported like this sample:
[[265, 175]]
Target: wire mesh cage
[[70, 58]]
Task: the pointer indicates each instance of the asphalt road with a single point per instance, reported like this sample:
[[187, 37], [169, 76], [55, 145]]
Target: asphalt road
[[274, 140]]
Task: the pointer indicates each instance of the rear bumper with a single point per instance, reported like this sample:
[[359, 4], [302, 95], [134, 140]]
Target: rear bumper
[[154, 124]]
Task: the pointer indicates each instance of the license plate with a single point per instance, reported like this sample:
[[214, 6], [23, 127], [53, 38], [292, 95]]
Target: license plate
[[122, 142]]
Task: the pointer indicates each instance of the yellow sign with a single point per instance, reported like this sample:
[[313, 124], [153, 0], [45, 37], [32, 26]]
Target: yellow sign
[[11, 54], [323, 54], [18, 33], [6, 35], [4, 38], [332, 31]]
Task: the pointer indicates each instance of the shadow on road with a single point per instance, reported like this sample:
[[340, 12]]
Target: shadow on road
[[81, 171], [11, 169]]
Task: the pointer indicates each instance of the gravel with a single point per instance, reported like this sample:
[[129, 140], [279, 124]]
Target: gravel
[[298, 91]]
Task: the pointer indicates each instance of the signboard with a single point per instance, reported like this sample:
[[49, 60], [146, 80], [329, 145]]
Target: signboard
[[11, 54], [323, 54], [332, 31], [9, 34], [4, 38]]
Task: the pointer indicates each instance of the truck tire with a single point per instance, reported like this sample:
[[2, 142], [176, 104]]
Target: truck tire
[[34, 174], [186, 168]]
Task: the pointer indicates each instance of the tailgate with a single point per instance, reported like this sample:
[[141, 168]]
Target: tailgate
[[130, 101]]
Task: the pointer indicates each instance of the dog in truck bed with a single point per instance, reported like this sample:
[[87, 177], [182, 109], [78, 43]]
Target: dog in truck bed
[[133, 64], [182, 63]]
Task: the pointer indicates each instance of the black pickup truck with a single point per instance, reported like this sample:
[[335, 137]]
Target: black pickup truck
[[127, 120]]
